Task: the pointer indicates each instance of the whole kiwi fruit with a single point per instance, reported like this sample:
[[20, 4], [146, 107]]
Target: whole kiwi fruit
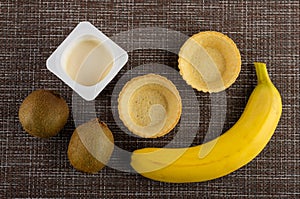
[[91, 146], [43, 113]]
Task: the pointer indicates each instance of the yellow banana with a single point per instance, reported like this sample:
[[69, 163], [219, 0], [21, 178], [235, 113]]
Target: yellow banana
[[227, 153]]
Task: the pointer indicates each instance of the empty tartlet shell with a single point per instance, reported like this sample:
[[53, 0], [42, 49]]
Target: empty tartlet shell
[[169, 93], [227, 59]]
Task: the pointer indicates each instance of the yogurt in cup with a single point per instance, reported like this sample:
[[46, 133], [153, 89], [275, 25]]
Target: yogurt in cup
[[87, 60]]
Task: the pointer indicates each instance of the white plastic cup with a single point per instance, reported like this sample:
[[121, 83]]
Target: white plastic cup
[[56, 62]]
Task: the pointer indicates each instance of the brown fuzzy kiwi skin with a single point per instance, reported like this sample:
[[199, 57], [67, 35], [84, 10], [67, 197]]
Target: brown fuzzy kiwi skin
[[43, 113], [79, 156]]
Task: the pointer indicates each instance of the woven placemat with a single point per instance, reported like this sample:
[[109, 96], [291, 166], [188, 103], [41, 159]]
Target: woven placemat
[[30, 31]]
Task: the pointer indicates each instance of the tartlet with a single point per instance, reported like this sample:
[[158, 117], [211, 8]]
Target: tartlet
[[209, 61], [149, 105]]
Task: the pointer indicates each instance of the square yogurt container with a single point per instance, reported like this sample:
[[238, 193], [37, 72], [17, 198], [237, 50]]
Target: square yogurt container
[[55, 63]]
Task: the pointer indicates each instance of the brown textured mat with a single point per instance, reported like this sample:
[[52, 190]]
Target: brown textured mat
[[30, 31]]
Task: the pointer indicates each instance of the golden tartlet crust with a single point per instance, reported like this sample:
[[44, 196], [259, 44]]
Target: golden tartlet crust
[[207, 56], [149, 105]]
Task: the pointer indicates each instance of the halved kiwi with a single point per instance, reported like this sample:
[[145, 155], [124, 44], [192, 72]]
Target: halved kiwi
[[91, 146], [43, 113]]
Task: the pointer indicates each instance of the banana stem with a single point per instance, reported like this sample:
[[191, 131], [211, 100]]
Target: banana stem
[[262, 73]]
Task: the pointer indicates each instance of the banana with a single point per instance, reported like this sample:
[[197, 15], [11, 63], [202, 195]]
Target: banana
[[227, 153]]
